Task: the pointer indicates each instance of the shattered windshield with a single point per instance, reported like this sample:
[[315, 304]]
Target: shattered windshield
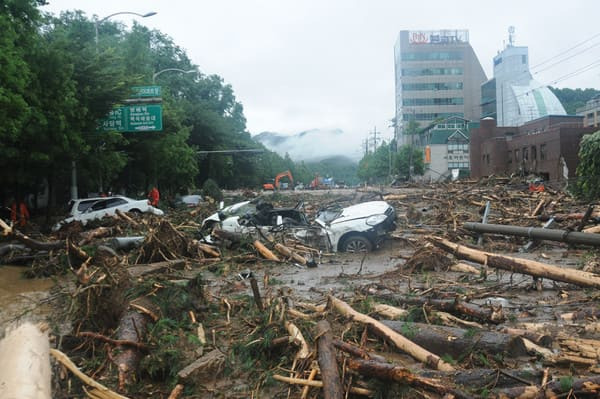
[[328, 215]]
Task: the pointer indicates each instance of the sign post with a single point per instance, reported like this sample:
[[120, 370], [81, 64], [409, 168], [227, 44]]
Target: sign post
[[133, 118]]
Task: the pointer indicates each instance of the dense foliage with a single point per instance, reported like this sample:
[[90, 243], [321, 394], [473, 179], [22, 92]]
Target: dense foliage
[[388, 162], [588, 170], [572, 99], [56, 83]]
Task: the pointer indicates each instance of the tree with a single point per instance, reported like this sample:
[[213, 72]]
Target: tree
[[588, 170], [572, 99], [409, 156], [375, 166]]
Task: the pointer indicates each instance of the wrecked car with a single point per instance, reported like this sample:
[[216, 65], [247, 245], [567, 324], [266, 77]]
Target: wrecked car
[[86, 209], [357, 228]]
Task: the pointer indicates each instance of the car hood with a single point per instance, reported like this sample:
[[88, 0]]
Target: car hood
[[362, 210]]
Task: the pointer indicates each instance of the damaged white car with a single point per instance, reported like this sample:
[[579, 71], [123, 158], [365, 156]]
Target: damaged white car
[[357, 228]]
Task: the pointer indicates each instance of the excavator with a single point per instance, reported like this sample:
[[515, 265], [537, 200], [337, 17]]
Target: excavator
[[275, 184]]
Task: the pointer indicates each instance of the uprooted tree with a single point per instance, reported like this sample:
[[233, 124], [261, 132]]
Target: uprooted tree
[[588, 170]]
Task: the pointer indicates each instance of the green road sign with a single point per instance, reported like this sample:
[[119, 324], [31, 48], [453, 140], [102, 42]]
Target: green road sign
[[133, 118], [145, 91]]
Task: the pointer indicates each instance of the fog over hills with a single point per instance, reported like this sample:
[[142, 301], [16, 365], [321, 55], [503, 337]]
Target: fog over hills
[[312, 145]]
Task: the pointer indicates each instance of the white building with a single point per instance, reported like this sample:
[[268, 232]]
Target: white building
[[520, 98]]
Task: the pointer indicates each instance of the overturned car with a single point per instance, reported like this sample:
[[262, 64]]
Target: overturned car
[[357, 228]]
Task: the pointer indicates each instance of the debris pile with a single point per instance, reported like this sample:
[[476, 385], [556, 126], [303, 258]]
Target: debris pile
[[441, 310]]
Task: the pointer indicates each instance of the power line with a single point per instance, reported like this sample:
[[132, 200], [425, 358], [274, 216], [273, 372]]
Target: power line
[[567, 58], [566, 51]]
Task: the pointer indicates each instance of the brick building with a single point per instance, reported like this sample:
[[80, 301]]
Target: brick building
[[547, 146]]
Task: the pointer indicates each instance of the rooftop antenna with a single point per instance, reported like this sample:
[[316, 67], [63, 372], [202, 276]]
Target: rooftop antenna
[[511, 36]]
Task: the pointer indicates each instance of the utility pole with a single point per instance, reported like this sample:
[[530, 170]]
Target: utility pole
[[365, 145], [374, 139]]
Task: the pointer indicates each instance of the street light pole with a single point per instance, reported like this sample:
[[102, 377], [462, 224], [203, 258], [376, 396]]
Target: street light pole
[[74, 188], [170, 69], [97, 23]]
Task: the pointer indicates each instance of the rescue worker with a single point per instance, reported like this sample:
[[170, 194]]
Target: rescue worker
[[22, 214], [154, 196]]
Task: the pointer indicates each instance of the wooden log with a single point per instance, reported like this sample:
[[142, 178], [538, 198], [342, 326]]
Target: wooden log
[[389, 312], [256, 294], [588, 386], [518, 265], [132, 327], [209, 250], [100, 232], [25, 354], [464, 268], [540, 339], [157, 267], [458, 342], [489, 315], [176, 392], [207, 368], [480, 378], [332, 385], [298, 339], [450, 320], [319, 384], [126, 217], [264, 251], [538, 208], [285, 251], [390, 372], [98, 389], [356, 351], [387, 333], [30, 242], [227, 235], [594, 229]]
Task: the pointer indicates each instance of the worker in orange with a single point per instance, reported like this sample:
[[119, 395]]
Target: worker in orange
[[23, 213], [154, 196]]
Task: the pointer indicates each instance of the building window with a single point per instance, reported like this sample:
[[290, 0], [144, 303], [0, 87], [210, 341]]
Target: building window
[[487, 158], [431, 71], [533, 153], [430, 116], [542, 152], [509, 157], [525, 154], [523, 59], [432, 86], [517, 155], [433, 101], [432, 56]]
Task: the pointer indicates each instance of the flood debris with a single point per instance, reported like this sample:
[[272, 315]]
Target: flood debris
[[154, 306]]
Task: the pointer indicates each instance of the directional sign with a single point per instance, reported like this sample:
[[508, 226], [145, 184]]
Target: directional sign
[[145, 91], [133, 118]]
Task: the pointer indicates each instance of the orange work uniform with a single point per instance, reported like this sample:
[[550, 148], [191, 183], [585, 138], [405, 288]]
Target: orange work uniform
[[23, 214], [154, 196]]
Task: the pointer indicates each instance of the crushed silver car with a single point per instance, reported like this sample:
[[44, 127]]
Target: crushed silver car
[[357, 228]]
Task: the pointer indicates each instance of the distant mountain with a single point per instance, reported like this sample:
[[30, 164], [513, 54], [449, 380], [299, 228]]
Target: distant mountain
[[312, 145]]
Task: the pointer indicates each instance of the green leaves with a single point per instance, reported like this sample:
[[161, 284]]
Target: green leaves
[[588, 170]]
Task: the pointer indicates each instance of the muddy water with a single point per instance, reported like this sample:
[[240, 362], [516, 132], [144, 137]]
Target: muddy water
[[21, 297]]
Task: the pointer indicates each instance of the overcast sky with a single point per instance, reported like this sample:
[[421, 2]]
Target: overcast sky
[[304, 64]]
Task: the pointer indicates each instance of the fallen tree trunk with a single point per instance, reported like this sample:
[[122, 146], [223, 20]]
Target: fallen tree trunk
[[518, 265], [456, 306], [479, 378], [100, 232], [458, 342], [156, 267], [264, 251], [356, 351], [25, 353], [589, 386], [30, 242], [332, 385], [132, 327], [389, 372], [536, 233], [285, 251], [387, 333]]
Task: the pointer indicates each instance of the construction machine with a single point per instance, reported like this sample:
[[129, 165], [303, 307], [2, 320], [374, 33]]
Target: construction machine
[[276, 185]]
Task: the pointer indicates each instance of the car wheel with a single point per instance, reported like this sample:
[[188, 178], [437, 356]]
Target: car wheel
[[135, 211], [357, 243]]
